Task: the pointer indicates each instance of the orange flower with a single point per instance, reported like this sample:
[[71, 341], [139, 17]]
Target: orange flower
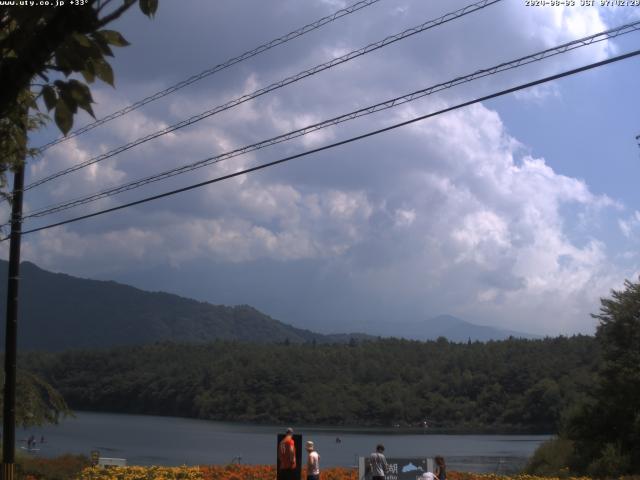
[[267, 472]]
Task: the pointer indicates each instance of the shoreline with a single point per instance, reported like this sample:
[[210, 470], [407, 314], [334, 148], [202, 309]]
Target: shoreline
[[346, 428]]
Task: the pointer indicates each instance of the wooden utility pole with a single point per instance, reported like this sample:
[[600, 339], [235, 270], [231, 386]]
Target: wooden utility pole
[[11, 335]]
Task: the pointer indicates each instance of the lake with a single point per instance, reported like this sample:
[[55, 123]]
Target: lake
[[150, 440]]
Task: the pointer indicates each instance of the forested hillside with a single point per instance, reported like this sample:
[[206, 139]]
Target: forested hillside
[[81, 313], [512, 385]]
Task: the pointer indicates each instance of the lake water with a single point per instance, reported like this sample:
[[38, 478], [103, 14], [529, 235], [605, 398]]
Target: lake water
[[147, 440]]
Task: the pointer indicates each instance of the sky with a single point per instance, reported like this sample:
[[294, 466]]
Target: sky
[[520, 212]]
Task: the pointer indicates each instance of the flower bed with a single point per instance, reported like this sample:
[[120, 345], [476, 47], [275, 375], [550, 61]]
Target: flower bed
[[141, 473], [213, 472], [261, 472]]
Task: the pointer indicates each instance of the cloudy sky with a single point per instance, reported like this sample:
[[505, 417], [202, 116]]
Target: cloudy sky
[[519, 212]]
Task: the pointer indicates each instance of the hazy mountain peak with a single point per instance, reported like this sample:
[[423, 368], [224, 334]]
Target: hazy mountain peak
[[445, 319], [454, 329]]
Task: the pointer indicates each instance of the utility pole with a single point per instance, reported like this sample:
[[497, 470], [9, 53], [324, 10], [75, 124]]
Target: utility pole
[[11, 336]]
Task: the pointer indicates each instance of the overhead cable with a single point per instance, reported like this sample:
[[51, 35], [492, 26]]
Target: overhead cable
[[535, 57], [342, 142], [274, 86], [210, 71]]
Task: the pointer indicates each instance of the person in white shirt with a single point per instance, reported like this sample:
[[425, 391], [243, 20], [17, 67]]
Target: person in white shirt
[[379, 466], [313, 462]]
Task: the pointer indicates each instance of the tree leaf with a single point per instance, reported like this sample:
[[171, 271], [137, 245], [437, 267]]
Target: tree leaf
[[89, 72], [80, 91], [64, 61], [72, 57], [149, 7], [69, 100], [82, 96], [113, 38], [104, 71], [63, 117], [87, 108], [102, 45], [49, 96], [81, 39]]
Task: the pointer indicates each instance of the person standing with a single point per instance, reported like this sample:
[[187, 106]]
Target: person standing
[[378, 463], [313, 462], [287, 456], [441, 468]]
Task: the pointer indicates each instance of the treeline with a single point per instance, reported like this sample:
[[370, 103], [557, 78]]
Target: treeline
[[511, 385], [600, 435]]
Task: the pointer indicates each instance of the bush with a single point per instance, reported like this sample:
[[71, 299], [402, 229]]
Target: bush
[[611, 463], [64, 467], [551, 459]]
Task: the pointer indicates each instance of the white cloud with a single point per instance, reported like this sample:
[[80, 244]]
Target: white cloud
[[346, 206], [630, 226], [555, 26], [89, 179], [481, 232], [506, 224], [445, 215], [539, 93], [404, 218]]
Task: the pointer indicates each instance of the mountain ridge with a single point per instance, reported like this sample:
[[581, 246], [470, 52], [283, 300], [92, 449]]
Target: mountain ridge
[[456, 330], [101, 314], [60, 312]]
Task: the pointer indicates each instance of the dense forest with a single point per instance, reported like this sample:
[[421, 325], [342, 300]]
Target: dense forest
[[599, 435], [511, 385]]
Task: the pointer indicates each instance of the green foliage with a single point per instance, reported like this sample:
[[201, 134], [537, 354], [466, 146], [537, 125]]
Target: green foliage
[[611, 462], [37, 402], [149, 7], [43, 44], [13, 135], [551, 459], [465, 387], [606, 426]]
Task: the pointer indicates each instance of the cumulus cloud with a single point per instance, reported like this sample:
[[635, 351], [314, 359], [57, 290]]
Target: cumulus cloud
[[631, 225], [89, 179], [454, 214]]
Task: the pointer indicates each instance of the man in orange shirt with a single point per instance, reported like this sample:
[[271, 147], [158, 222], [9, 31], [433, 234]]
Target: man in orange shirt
[[287, 457]]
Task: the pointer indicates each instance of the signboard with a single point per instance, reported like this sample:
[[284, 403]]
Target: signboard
[[297, 440], [112, 462], [399, 468]]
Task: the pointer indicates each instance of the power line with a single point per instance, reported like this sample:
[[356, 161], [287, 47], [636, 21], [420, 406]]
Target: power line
[[538, 56], [343, 142], [210, 71], [289, 80], [274, 86]]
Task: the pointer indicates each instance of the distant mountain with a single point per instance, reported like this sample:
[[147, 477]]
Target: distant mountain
[[455, 330], [59, 312]]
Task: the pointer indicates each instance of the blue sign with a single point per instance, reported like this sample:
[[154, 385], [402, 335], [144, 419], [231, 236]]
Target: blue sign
[[399, 468]]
